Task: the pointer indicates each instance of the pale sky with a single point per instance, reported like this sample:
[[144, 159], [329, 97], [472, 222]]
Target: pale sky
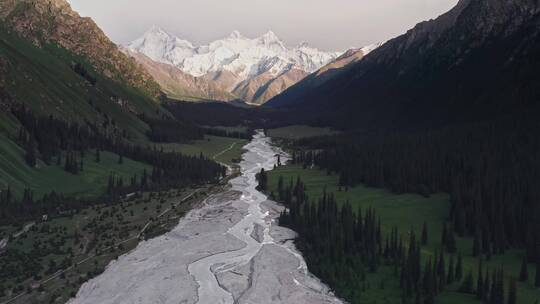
[[326, 24]]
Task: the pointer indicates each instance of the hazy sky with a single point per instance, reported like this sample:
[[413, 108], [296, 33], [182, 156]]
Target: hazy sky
[[326, 24]]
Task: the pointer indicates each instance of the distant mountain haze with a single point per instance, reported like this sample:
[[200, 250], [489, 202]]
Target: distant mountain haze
[[250, 69]]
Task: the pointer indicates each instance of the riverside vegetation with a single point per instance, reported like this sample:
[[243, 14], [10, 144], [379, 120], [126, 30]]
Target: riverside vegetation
[[375, 245]]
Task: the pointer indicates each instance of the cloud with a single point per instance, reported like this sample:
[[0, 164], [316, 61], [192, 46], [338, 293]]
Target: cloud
[[330, 25]]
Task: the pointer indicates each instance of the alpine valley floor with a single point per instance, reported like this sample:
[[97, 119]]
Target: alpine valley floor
[[230, 250]]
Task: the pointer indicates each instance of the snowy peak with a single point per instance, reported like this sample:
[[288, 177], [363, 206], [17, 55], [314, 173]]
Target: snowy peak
[[251, 69], [370, 48], [161, 46], [269, 38], [236, 35], [236, 53]]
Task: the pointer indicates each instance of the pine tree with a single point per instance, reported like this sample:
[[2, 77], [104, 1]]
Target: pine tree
[[450, 242], [480, 282], [110, 184], [441, 271], [468, 285], [30, 156], [487, 285], [444, 235], [281, 193], [512, 293], [476, 244], [537, 278], [451, 271], [424, 234], [524, 273], [459, 268]]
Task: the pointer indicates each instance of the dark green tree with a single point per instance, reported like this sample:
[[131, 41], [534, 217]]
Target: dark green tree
[[468, 285], [512, 292], [424, 234], [524, 272], [459, 268], [537, 278]]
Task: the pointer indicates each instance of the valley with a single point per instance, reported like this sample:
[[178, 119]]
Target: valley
[[219, 253], [253, 167], [56, 255]]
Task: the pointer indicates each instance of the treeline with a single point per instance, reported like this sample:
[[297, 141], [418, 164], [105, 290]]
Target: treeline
[[55, 141], [226, 133], [46, 137], [28, 207], [491, 170], [342, 246], [224, 114], [171, 130]]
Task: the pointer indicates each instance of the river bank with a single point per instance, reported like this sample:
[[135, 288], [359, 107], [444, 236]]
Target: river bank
[[228, 251]]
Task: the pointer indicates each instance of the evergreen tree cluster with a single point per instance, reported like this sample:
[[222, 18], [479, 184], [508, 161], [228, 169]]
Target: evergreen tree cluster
[[491, 170], [54, 140], [341, 246], [73, 163], [54, 136], [171, 130], [226, 133], [27, 207]]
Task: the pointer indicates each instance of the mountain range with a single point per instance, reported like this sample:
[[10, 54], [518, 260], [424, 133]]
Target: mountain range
[[235, 67], [478, 61]]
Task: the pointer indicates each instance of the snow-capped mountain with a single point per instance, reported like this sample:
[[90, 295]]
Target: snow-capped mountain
[[251, 65], [244, 56]]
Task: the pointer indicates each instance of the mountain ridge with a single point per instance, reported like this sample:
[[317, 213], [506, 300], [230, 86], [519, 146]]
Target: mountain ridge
[[247, 61], [54, 21], [429, 74]]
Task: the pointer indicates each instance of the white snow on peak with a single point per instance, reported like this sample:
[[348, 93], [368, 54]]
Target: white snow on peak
[[370, 48], [243, 56], [236, 35]]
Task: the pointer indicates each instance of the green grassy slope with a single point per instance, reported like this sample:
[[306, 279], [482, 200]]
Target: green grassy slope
[[221, 149], [43, 79], [88, 184], [407, 211]]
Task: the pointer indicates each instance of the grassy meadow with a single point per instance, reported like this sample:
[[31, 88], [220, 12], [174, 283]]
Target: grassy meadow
[[88, 184], [221, 149], [407, 211]]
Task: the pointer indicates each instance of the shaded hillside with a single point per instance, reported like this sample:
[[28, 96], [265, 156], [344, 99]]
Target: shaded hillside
[[46, 80], [475, 62]]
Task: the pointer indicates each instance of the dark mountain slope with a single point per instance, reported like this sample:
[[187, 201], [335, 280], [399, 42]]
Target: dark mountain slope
[[478, 61]]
